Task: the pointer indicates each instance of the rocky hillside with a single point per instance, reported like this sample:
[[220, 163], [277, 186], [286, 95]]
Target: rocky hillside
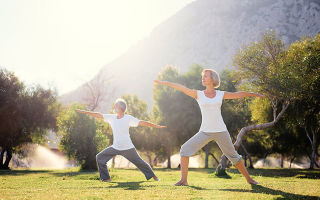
[[206, 32]]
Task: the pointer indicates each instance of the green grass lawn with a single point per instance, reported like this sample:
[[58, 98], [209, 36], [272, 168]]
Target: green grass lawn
[[131, 184]]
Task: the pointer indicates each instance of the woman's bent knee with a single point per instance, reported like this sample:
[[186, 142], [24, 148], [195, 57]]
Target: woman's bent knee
[[185, 151]]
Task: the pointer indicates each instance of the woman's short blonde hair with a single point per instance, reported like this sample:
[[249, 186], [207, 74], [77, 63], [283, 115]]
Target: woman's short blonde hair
[[215, 77]]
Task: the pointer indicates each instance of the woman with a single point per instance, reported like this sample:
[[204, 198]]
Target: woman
[[212, 126], [122, 144]]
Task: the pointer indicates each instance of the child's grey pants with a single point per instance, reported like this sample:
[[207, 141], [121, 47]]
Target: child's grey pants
[[202, 138], [131, 154]]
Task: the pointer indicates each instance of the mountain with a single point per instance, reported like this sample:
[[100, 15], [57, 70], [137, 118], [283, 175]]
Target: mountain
[[205, 32]]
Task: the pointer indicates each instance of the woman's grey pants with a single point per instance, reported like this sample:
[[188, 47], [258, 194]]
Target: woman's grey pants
[[202, 138], [131, 154]]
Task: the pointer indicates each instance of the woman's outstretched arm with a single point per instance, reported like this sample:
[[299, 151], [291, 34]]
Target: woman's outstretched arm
[[237, 95], [92, 114], [187, 91], [150, 124]]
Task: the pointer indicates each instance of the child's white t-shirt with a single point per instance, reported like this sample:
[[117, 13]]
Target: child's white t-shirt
[[120, 128]]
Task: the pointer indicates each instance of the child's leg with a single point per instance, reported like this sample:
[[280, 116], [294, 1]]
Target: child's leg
[[133, 156], [102, 158]]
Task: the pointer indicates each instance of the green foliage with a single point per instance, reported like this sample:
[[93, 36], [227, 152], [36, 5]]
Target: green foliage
[[26, 113], [81, 137], [180, 113], [260, 68], [289, 74]]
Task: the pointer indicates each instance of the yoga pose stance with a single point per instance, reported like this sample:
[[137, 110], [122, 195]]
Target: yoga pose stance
[[122, 144], [212, 125]]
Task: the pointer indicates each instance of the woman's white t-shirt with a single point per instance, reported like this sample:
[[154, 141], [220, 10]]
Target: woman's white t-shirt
[[211, 112], [120, 128]]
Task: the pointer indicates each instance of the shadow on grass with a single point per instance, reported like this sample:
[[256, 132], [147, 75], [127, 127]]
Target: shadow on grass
[[275, 173], [298, 173], [199, 188], [265, 190], [22, 172], [49, 172], [130, 185]]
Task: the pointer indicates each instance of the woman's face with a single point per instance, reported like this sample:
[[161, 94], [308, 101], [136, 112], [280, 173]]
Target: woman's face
[[206, 78]]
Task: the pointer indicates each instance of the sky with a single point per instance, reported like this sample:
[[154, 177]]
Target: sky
[[64, 43]]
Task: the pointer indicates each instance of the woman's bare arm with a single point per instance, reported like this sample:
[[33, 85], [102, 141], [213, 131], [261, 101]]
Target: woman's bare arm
[[237, 95], [187, 91]]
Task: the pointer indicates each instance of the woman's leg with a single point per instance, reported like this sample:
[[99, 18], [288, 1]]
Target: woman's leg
[[102, 158], [133, 156], [188, 149], [184, 166], [243, 170], [225, 143]]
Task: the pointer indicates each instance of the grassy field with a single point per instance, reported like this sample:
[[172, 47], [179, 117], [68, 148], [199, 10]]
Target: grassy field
[[130, 184]]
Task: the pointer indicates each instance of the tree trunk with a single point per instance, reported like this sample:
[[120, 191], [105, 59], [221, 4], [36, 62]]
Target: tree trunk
[[265, 158], [8, 157], [249, 157], [89, 164], [211, 154], [291, 161], [1, 158], [313, 147], [245, 161], [155, 161], [113, 162], [281, 160], [206, 161], [149, 159], [221, 169], [169, 153], [169, 162]]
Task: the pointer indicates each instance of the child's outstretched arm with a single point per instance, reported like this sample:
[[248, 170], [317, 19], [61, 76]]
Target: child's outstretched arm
[[92, 114], [150, 124]]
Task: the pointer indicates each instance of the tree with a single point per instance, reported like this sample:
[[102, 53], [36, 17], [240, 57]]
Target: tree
[[26, 114], [81, 137], [271, 69], [180, 113], [97, 91], [302, 62], [283, 138], [260, 69]]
